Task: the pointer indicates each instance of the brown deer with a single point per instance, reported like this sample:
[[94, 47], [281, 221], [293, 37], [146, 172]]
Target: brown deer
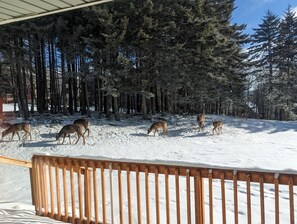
[[69, 129], [15, 128], [158, 125], [85, 123], [201, 121], [217, 126], [243, 115]]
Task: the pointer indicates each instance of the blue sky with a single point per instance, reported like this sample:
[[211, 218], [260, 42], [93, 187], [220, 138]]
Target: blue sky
[[251, 12]]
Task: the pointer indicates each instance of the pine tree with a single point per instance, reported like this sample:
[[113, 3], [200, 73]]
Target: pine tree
[[287, 52], [263, 56]]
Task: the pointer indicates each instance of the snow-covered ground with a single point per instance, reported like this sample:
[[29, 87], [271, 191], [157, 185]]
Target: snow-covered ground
[[249, 144]]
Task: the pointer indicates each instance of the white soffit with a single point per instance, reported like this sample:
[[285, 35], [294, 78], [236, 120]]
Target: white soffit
[[18, 10]]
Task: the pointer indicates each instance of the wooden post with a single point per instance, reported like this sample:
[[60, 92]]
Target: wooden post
[[223, 198], [96, 207], [178, 218], [51, 188], [80, 194], [87, 188], [129, 195], [120, 195], [65, 193], [72, 193], [157, 195], [147, 195], [103, 194], [262, 199], [138, 196], [167, 196], [188, 180], [248, 195], [235, 197], [58, 189], [210, 197], [291, 193], [276, 196]]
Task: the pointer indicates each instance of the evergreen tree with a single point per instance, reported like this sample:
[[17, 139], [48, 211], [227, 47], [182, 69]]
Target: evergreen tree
[[263, 56], [287, 52]]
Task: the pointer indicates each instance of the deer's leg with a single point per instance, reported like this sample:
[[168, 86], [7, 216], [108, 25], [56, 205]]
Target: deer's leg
[[63, 139], [84, 140], [69, 138], [78, 137], [18, 135]]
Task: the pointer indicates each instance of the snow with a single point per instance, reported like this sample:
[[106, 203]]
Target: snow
[[245, 144]]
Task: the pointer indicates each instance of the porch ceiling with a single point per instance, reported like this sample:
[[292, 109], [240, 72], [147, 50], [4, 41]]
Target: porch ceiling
[[18, 10]]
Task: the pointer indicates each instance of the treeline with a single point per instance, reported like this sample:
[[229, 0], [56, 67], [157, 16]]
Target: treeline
[[128, 56], [273, 57]]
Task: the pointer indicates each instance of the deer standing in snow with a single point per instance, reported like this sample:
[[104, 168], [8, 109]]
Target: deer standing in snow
[[69, 129], [85, 123], [201, 121], [157, 126], [217, 126], [15, 128]]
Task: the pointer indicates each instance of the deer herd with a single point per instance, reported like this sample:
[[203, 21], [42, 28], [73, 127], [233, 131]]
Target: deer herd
[[81, 126]]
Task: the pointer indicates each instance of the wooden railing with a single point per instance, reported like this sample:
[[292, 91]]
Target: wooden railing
[[82, 190]]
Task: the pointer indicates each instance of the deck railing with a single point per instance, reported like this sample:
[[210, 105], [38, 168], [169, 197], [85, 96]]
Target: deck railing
[[82, 190]]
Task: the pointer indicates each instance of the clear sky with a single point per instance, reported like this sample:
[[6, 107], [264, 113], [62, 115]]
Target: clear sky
[[251, 12]]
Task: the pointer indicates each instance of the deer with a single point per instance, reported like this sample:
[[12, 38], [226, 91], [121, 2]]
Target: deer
[[243, 115], [69, 129], [85, 123], [201, 121], [217, 126], [158, 125], [15, 128]]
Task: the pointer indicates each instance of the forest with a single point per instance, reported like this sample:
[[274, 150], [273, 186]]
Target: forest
[[147, 57]]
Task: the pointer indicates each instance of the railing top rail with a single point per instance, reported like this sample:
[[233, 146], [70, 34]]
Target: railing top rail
[[17, 162], [183, 169]]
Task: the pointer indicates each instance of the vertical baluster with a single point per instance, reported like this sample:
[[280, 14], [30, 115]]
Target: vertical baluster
[[262, 199], [129, 195], [167, 196], [38, 186], [65, 193], [291, 193], [197, 198], [248, 195], [177, 196], [276, 195], [51, 188], [87, 188], [188, 182], [95, 186], [111, 193], [138, 196], [210, 197], [235, 192], [72, 192], [44, 186], [80, 194], [56, 162], [223, 193], [103, 194], [157, 195], [120, 194], [147, 195]]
